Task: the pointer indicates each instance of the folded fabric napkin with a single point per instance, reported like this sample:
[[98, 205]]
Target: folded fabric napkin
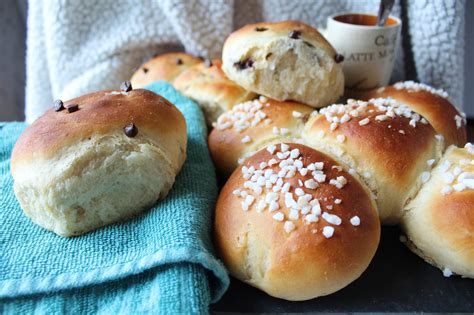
[[160, 262]]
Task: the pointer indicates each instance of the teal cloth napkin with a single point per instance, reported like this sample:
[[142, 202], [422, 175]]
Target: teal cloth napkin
[[159, 262]]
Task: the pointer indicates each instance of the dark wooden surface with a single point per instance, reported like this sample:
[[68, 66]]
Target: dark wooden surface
[[396, 281]]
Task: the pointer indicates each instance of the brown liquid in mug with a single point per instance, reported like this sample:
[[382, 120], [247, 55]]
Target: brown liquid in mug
[[362, 19]]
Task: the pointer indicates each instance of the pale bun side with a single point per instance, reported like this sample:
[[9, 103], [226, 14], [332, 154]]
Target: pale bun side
[[439, 221], [207, 84]]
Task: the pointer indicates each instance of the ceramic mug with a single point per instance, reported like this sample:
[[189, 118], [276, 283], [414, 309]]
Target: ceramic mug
[[368, 50]]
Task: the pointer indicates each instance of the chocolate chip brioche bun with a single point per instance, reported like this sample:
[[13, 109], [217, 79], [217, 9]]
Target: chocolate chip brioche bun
[[384, 142], [439, 221], [98, 159], [207, 84], [250, 126], [291, 222], [166, 67], [431, 103], [285, 60]]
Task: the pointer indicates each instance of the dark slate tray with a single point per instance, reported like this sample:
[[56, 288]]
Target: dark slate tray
[[396, 281]]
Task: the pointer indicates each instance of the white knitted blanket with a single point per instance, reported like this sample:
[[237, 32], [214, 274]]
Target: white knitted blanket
[[78, 46]]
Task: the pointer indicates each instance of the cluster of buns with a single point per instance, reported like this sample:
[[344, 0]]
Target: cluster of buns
[[299, 216], [305, 183], [98, 159], [285, 61]]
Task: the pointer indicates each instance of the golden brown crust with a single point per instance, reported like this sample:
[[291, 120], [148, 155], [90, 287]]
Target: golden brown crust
[[99, 113], [304, 263], [453, 217], [226, 145], [208, 85], [436, 109], [308, 33], [392, 153], [165, 67], [389, 155]]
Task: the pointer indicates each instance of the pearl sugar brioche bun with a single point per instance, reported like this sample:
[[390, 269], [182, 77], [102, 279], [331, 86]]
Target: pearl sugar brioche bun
[[166, 67], [382, 141], [250, 126], [439, 221], [285, 60], [293, 223], [431, 103], [207, 84], [98, 159]]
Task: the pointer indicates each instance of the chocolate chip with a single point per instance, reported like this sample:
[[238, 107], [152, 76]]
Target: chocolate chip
[[179, 61], [339, 58], [208, 63], [71, 108], [295, 34], [244, 64], [261, 29], [145, 70], [308, 44], [126, 86], [58, 105], [130, 130]]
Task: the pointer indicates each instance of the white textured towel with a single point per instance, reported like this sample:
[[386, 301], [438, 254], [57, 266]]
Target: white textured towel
[[78, 46]]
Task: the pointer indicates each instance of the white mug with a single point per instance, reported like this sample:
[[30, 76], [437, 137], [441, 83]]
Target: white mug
[[368, 50]]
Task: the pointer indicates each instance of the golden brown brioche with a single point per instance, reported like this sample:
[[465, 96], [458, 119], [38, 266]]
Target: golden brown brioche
[[439, 221], [383, 141], [211, 89], [252, 125], [98, 159], [286, 60], [294, 224], [166, 67], [432, 104]]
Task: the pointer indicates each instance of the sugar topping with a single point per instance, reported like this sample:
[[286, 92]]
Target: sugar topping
[[460, 120], [341, 138], [456, 177], [271, 186], [328, 231], [447, 272], [469, 147], [414, 86], [297, 114], [246, 139], [385, 108], [355, 221], [425, 176], [242, 116]]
